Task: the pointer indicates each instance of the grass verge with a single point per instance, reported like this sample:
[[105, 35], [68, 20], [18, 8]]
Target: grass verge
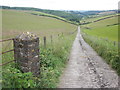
[[105, 49], [52, 61]]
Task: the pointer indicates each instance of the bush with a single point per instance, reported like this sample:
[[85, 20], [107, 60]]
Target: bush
[[14, 78]]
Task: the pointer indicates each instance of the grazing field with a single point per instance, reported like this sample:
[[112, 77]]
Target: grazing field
[[52, 58], [16, 22], [107, 28], [52, 16], [103, 37], [97, 17]]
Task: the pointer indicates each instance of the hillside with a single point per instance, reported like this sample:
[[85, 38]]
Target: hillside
[[103, 27], [102, 36], [64, 14], [54, 52], [57, 50], [70, 15], [16, 22]]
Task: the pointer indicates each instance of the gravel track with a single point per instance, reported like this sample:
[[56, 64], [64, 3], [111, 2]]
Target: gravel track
[[86, 69]]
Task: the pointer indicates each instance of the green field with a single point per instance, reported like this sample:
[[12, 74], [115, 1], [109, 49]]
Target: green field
[[103, 37], [16, 22], [96, 17], [53, 58], [107, 28]]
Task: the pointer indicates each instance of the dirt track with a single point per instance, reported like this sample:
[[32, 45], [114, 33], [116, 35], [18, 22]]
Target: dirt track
[[85, 69]]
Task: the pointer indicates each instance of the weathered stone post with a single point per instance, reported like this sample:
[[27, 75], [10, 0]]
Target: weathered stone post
[[26, 53]]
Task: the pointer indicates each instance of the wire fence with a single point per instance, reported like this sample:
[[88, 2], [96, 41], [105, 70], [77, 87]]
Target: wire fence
[[44, 41], [4, 52], [113, 43]]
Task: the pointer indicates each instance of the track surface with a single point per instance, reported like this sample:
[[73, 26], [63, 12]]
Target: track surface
[[85, 69]]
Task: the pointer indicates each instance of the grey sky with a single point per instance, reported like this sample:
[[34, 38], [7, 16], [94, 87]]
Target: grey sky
[[64, 4]]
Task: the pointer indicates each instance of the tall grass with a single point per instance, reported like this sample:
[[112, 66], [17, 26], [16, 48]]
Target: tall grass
[[52, 61], [106, 49]]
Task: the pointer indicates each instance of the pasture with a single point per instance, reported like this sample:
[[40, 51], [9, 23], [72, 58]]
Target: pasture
[[52, 58], [103, 37], [107, 28], [15, 22]]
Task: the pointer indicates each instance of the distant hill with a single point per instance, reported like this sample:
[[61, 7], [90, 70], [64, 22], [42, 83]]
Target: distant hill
[[74, 16], [100, 12], [67, 15]]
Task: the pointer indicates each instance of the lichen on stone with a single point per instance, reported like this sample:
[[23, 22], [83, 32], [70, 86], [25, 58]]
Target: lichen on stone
[[27, 36]]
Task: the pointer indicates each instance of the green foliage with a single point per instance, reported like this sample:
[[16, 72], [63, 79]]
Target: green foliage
[[56, 17], [52, 59], [107, 50], [101, 35], [14, 78], [52, 62]]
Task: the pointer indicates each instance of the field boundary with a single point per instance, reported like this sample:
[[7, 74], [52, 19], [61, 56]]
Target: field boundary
[[44, 44]]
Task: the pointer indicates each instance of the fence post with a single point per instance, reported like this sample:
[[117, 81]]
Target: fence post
[[114, 43], [26, 53], [62, 33], [51, 39], [44, 41], [118, 44], [106, 39]]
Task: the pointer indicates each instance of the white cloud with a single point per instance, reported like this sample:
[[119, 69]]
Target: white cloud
[[65, 4]]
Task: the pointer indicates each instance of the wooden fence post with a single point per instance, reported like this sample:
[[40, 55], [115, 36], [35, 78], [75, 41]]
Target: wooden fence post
[[118, 44], [62, 33], [51, 39], [44, 41], [26, 53], [106, 39], [114, 43]]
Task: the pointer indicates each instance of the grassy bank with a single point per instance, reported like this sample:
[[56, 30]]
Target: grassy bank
[[52, 61], [106, 49], [102, 35]]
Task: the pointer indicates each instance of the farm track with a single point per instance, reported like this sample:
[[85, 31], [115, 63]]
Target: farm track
[[85, 69]]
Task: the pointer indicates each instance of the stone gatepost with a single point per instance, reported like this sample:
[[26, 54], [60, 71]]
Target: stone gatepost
[[26, 53]]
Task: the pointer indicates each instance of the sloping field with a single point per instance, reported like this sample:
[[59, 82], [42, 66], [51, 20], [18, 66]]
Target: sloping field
[[106, 28], [16, 22], [97, 17], [53, 55], [103, 38]]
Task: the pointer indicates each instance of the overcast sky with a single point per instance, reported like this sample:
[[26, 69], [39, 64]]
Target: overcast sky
[[64, 4]]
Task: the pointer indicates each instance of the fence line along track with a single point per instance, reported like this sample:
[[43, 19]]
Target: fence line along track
[[6, 51], [6, 39], [9, 39], [7, 63]]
